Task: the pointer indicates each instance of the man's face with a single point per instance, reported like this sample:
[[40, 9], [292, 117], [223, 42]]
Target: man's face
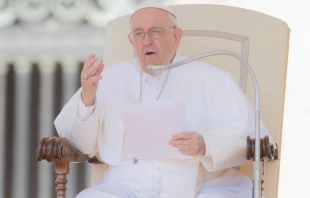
[[156, 51]]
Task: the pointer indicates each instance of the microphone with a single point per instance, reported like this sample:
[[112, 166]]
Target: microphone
[[256, 168]]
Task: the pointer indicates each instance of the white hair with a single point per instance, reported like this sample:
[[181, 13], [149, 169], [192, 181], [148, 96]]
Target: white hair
[[173, 20]]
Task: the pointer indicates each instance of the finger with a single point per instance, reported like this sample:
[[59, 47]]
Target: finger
[[179, 142], [183, 147], [91, 56], [95, 79], [188, 153], [92, 61], [186, 146], [89, 62], [99, 69], [182, 135], [91, 71], [95, 70]]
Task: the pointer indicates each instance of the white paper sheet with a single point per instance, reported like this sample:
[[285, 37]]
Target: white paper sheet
[[149, 127]]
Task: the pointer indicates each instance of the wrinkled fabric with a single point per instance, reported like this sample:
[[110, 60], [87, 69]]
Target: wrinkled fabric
[[215, 107]]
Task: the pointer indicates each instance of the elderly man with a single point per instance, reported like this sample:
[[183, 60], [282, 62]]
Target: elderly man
[[219, 119]]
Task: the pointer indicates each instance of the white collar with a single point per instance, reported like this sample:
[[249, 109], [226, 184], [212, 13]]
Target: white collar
[[145, 75]]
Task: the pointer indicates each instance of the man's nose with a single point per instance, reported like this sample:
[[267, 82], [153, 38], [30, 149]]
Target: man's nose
[[147, 40]]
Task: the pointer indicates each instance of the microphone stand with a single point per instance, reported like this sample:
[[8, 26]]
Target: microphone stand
[[256, 165]]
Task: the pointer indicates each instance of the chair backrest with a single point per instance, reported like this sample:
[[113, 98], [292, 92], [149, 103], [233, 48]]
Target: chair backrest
[[260, 39]]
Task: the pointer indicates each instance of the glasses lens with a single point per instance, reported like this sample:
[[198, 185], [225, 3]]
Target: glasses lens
[[136, 35], [156, 32]]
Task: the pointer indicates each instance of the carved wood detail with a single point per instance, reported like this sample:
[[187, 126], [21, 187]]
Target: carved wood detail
[[267, 150]]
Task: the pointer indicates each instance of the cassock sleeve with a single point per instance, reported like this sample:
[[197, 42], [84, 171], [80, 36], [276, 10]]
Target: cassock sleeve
[[231, 119], [84, 112], [81, 132]]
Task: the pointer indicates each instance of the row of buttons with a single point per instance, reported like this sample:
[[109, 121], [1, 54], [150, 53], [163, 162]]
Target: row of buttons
[[158, 175]]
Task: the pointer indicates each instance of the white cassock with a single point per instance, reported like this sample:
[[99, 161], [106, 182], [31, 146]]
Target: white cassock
[[215, 107]]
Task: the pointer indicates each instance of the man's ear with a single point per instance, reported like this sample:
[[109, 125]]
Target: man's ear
[[178, 34], [132, 43], [130, 40]]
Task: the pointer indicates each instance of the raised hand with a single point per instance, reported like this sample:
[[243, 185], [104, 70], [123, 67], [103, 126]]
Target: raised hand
[[90, 76]]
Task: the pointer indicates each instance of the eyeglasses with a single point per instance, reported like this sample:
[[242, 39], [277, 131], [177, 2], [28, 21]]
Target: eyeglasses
[[154, 33]]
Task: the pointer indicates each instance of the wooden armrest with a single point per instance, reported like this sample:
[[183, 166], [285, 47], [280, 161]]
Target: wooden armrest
[[54, 148], [62, 152], [267, 151]]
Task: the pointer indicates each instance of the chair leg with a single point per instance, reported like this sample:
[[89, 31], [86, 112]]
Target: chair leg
[[61, 170]]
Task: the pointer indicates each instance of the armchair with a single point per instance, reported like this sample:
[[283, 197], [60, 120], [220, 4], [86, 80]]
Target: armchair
[[260, 39]]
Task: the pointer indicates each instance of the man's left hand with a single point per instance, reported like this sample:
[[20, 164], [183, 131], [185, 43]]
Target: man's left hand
[[189, 143]]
